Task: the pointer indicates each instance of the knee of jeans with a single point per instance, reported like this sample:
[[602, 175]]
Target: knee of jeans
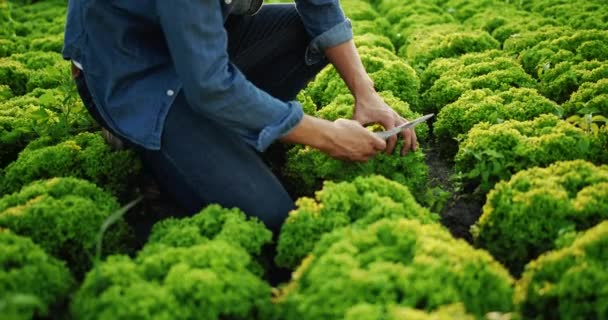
[[273, 212]]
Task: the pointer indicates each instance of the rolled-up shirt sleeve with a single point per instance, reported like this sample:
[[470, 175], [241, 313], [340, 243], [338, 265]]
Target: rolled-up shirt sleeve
[[325, 22], [212, 85]]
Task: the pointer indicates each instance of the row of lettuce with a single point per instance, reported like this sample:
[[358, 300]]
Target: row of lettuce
[[363, 249], [521, 95]]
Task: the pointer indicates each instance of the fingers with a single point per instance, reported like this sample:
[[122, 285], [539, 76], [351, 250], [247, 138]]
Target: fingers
[[410, 141], [407, 141], [388, 123], [390, 144], [354, 142], [378, 143], [375, 145], [360, 145], [414, 140]]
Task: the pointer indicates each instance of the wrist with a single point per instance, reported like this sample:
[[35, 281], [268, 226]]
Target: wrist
[[363, 88], [323, 135], [311, 131], [367, 100]]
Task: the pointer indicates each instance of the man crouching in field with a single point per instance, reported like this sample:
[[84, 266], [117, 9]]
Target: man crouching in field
[[201, 87]]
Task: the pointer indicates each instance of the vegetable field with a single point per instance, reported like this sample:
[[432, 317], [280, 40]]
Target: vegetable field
[[501, 214]]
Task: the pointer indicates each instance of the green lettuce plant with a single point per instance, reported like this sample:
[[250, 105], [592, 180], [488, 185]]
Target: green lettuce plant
[[214, 223], [560, 82], [583, 45], [31, 282], [14, 74], [64, 216], [485, 105], [490, 153], [85, 155], [564, 61], [358, 203], [407, 17], [464, 9], [444, 41], [449, 79], [590, 98], [371, 40], [198, 267], [508, 22], [523, 217], [394, 262], [441, 66], [520, 42], [577, 14], [364, 17], [570, 283], [53, 113]]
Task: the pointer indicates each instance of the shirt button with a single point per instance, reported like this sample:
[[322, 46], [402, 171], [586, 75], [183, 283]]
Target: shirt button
[[170, 93], [228, 1]]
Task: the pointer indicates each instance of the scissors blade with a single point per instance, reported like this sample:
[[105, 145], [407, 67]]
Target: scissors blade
[[410, 124]]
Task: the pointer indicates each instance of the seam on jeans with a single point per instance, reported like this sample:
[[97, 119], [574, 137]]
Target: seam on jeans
[[287, 74], [182, 175]]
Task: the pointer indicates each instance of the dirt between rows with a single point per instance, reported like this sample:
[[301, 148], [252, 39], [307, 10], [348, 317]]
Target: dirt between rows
[[462, 209]]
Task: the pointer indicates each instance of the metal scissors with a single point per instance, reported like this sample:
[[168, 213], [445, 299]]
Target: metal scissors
[[410, 124]]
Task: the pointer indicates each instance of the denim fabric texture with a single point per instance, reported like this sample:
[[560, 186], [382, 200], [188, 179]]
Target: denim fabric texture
[[202, 161], [139, 56]]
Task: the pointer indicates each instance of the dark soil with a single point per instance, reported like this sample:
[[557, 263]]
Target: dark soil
[[462, 209]]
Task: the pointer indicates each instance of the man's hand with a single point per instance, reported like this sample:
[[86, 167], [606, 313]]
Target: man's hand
[[371, 108], [342, 139], [351, 141]]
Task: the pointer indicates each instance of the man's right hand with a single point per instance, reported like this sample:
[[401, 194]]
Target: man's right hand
[[342, 139], [351, 141]]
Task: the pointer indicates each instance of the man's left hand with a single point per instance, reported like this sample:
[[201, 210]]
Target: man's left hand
[[372, 109]]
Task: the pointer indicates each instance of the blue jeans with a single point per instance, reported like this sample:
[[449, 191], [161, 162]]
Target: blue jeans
[[201, 162]]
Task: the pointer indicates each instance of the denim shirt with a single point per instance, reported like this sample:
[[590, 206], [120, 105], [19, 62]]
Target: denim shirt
[[138, 55]]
